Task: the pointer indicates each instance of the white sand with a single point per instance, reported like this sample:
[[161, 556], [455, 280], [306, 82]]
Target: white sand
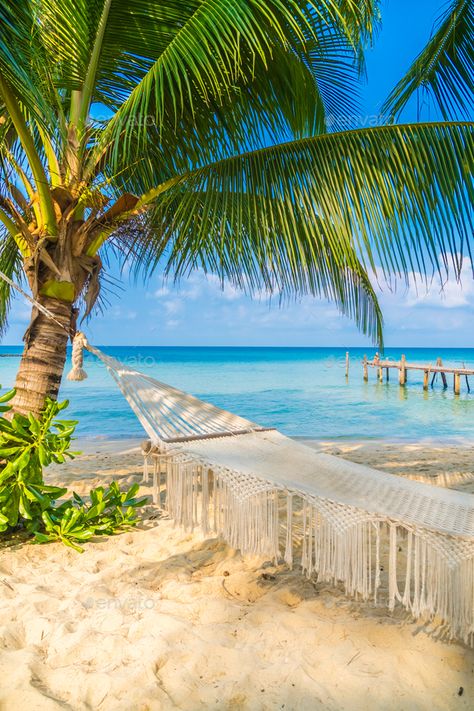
[[158, 619]]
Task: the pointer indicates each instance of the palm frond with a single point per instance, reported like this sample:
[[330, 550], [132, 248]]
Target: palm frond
[[245, 261], [66, 30], [444, 68], [182, 65], [11, 264], [24, 64], [207, 49], [276, 218], [148, 30]]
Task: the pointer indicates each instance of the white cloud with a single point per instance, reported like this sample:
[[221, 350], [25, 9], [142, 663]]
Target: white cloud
[[118, 313], [451, 294], [161, 292], [172, 307], [199, 285]]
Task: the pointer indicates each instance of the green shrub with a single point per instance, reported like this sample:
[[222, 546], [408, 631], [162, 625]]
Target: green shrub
[[27, 444], [75, 521]]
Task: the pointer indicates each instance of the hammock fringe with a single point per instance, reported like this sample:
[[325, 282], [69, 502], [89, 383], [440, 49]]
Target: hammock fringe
[[420, 573]]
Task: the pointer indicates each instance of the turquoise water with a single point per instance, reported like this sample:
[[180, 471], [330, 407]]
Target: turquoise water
[[302, 391]]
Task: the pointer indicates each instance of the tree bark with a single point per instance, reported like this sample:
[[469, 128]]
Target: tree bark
[[42, 363]]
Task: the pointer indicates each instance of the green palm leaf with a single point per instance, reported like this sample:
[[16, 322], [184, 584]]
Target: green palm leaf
[[206, 50], [253, 264], [24, 61], [444, 69], [11, 264], [390, 193]]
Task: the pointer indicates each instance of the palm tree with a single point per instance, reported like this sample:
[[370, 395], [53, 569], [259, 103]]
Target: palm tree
[[196, 134]]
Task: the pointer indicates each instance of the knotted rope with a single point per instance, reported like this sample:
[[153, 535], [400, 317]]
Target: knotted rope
[[79, 343]]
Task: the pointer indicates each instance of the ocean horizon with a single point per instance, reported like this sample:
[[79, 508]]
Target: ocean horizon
[[300, 390]]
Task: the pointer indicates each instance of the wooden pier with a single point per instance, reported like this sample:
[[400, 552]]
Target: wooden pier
[[430, 372]]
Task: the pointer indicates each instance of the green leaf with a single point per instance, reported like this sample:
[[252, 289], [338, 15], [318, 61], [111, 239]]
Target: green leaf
[[95, 511], [6, 397], [137, 503], [82, 534], [56, 491], [77, 498], [7, 452], [311, 216], [62, 290], [22, 461], [443, 69], [131, 492], [44, 456], [48, 522], [11, 264], [24, 506], [68, 542], [35, 424]]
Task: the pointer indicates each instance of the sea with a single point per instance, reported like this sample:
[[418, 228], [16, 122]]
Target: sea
[[301, 391]]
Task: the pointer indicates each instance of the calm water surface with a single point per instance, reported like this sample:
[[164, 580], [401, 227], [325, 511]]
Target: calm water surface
[[302, 391]]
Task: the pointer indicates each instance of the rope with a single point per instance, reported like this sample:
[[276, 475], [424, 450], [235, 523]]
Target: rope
[[79, 342], [36, 303], [78, 345]]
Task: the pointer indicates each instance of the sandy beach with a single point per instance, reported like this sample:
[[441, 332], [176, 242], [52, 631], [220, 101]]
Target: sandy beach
[[236, 226], [160, 619]]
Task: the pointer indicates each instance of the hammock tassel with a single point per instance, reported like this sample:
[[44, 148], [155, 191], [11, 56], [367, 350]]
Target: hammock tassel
[[146, 451], [78, 345]]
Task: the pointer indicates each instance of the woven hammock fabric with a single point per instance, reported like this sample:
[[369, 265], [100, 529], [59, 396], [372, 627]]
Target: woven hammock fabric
[[168, 414], [267, 494]]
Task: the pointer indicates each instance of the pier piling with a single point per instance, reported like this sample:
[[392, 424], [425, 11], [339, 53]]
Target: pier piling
[[426, 377], [403, 371], [439, 363], [457, 383]]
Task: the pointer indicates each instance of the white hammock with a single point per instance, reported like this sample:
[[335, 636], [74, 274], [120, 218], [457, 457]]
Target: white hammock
[[269, 495]]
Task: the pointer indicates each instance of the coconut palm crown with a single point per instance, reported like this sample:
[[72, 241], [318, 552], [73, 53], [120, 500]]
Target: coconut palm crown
[[203, 134]]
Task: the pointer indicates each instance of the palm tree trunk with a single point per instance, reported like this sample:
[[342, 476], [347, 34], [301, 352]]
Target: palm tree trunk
[[42, 363]]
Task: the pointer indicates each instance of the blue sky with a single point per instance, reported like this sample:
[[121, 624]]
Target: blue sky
[[199, 313]]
